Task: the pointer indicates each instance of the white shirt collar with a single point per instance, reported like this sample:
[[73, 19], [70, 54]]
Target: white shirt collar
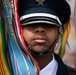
[[51, 68]]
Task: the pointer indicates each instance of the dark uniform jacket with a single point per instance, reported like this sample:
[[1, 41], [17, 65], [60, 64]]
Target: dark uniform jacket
[[62, 68]]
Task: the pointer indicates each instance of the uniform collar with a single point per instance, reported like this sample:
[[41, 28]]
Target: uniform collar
[[51, 68]]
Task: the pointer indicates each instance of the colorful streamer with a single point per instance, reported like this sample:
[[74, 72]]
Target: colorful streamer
[[64, 39], [4, 69], [22, 61]]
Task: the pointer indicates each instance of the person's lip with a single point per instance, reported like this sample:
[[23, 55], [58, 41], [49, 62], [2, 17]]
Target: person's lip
[[40, 39]]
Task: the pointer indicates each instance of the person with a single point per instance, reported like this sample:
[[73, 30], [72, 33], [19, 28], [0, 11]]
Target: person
[[40, 21]]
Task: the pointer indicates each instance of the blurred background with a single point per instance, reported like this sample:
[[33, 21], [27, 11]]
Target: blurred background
[[70, 54]]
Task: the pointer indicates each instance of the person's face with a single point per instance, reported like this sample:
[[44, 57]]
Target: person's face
[[40, 36]]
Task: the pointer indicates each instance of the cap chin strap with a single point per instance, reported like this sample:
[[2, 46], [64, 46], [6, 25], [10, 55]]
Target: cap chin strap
[[44, 52]]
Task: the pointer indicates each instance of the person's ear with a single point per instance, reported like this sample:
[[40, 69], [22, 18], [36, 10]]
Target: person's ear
[[57, 39]]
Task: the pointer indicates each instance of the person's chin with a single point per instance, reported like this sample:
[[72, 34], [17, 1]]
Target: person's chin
[[39, 49]]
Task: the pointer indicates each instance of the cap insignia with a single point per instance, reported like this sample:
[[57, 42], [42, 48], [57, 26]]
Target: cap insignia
[[40, 2]]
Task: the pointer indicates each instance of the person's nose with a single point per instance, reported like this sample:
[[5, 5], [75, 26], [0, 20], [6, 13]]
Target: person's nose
[[40, 29]]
